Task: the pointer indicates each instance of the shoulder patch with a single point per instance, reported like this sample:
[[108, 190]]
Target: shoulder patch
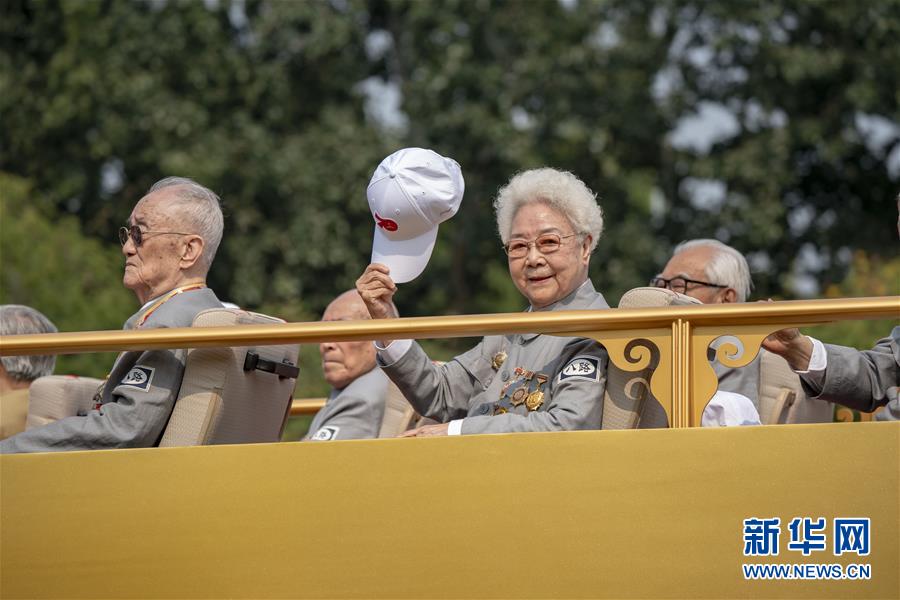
[[581, 367], [139, 377], [324, 434]]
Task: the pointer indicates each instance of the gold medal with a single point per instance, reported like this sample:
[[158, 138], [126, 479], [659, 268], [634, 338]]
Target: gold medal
[[534, 400], [518, 396], [500, 410], [498, 360]]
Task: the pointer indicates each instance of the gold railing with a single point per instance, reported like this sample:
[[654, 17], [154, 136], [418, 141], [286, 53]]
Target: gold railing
[[683, 380], [306, 406]]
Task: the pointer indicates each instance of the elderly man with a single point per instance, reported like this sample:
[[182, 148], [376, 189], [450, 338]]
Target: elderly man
[[355, 406], [17, 372], [169, 245], [715, 273]]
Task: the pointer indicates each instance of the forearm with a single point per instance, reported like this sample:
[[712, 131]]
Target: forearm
[[439, 392], [558, 419], [112, 428], [862, 380]]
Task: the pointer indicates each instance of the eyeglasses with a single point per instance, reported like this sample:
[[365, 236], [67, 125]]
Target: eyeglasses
[[680, 284], [547, 243], [137, 236]]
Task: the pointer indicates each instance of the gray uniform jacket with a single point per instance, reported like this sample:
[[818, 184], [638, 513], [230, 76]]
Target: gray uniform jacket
[[545, 383], [138, 396], [863, 380], [353, 413]]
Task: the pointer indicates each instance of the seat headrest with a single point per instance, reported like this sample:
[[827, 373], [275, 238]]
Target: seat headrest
[[654, 297]]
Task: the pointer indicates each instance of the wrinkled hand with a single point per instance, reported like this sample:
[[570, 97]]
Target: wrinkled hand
[[792, 346], [376, 288], [781, 342], [427, 431]]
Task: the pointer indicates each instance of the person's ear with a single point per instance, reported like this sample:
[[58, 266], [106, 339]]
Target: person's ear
[[192, 251], [729, 295], [586, 247]]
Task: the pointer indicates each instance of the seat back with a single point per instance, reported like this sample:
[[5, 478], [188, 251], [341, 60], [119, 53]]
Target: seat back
[[399, 414], [228, 396], [627, 402], [55, 397], [781, 396]]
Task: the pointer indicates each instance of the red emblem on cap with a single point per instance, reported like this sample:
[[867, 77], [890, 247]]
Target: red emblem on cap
[[386, 224]]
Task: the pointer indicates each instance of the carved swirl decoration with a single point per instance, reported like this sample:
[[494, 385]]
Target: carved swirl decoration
[[737, 351], [638, 394], [640, 353]]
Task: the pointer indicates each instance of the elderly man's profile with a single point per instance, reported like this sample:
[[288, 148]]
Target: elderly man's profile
[[168, 244], [18, 372], [715, 273], [355, 405]]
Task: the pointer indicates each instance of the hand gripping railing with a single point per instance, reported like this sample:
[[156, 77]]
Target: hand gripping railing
[[683, 381]]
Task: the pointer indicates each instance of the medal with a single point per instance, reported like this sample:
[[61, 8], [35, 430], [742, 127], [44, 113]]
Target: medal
[[500, 410], [518, 396], [98, 395], [498, 360], [536, 398]]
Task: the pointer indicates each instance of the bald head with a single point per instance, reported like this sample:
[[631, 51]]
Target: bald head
[[348, 305], [342, 362]]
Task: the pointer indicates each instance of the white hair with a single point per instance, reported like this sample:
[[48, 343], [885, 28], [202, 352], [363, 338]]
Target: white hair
[[201, 207], [561, 190], [726, 267], [16, 319]]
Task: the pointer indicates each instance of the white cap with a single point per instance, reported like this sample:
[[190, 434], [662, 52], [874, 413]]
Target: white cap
[[412, 191]]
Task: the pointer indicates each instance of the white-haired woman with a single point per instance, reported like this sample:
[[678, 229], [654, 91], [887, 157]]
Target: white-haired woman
[[549, 222]]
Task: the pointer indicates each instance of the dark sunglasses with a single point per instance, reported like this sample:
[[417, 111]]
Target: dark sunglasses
[[137, 236]]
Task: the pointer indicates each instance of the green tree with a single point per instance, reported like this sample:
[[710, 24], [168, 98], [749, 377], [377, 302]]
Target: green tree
[[51, 266], [270, 104], [868, 276], [804, 165]]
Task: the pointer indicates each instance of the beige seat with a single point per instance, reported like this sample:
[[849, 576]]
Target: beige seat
[[629, 403], [781, 396], [54, 397], [399, 414], [228, 395]]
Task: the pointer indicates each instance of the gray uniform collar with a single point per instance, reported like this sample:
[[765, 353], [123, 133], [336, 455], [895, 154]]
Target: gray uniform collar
[[584, 297], [363, 383]]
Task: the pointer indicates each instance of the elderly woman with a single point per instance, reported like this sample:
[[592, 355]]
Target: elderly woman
[[549, 222]]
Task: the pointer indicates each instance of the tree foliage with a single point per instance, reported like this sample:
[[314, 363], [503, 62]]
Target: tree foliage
[[868, 277], [52, 267], [815, 104], [271, 104]]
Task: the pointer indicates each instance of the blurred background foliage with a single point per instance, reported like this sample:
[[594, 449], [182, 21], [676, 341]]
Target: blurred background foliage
[[772, 126]]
